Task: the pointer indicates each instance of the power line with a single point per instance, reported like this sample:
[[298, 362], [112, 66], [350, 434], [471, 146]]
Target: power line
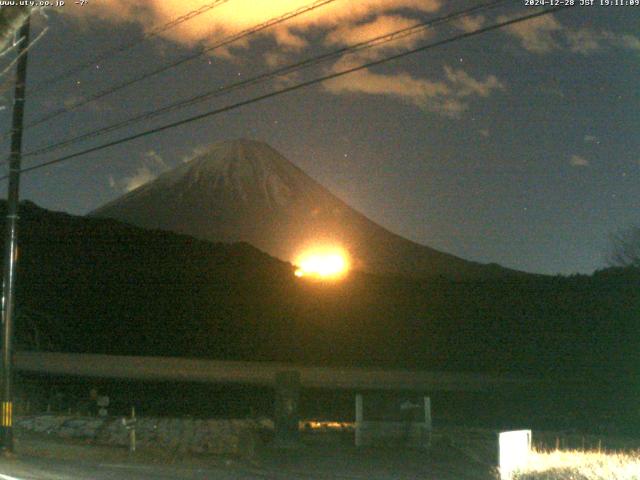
[[298, 86], [24, 51], [127, 46], [295, 87], [226, 41], [285, 70]]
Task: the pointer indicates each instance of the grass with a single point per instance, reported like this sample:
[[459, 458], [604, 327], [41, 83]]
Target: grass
[[581, 465]]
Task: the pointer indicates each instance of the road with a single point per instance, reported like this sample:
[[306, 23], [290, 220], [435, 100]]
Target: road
[[312, 464], [48, 469], [51, 469], [321, 457]]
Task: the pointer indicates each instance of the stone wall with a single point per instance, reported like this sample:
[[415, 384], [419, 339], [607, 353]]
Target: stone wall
[[206, 436]]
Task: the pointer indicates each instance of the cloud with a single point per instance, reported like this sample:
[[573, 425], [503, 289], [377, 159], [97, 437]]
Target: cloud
[[630, 42], [142, 175], [361, 30], [352, 33], [275, 59], [545, 34], [537, 35], [578, 161], [466, 86], [583, 41], [448, 96], [195, 152], [586, 41], [155, 159], [469, 23], [152, 166], [335, 24], [237, 15]]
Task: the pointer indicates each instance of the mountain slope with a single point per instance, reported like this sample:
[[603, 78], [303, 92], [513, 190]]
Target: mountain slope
[[102, 286], [246, 191]]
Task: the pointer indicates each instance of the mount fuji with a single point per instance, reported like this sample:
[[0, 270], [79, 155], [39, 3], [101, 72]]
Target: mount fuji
[[244, 190]]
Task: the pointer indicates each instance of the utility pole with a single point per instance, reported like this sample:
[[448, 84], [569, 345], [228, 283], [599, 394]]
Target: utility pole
[[11, 242]]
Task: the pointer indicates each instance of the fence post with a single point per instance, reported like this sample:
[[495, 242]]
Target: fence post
[[428, 422], [132, 431], [359, 419], [130, 425]]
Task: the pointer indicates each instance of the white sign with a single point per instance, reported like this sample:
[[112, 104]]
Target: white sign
[[514, 448]]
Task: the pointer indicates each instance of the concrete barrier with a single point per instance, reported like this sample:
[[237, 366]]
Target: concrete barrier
[[206, 436]]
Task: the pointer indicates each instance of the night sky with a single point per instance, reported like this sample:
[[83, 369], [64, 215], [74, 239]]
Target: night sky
[[519, 146]]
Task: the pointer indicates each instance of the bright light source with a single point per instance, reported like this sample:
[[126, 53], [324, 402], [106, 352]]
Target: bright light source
[[514, 449], [325, 263]]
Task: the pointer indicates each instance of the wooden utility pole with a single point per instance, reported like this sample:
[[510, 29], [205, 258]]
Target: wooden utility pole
[[11, 242]]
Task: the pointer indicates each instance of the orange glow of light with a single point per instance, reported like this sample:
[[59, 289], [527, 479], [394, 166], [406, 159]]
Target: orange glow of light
[[322, 263], [230, 18], [322, 425]]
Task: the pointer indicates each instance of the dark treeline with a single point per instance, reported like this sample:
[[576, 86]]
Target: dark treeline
[[92, 285]]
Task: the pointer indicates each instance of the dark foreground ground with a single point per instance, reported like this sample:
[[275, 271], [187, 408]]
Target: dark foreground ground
[[43, 458], [455, 454]]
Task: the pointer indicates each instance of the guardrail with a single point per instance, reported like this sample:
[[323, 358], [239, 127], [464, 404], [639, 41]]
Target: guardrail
[[255, 373]]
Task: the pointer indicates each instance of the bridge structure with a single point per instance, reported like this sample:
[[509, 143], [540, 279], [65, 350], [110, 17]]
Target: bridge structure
[[286, 378], [255, 373]]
